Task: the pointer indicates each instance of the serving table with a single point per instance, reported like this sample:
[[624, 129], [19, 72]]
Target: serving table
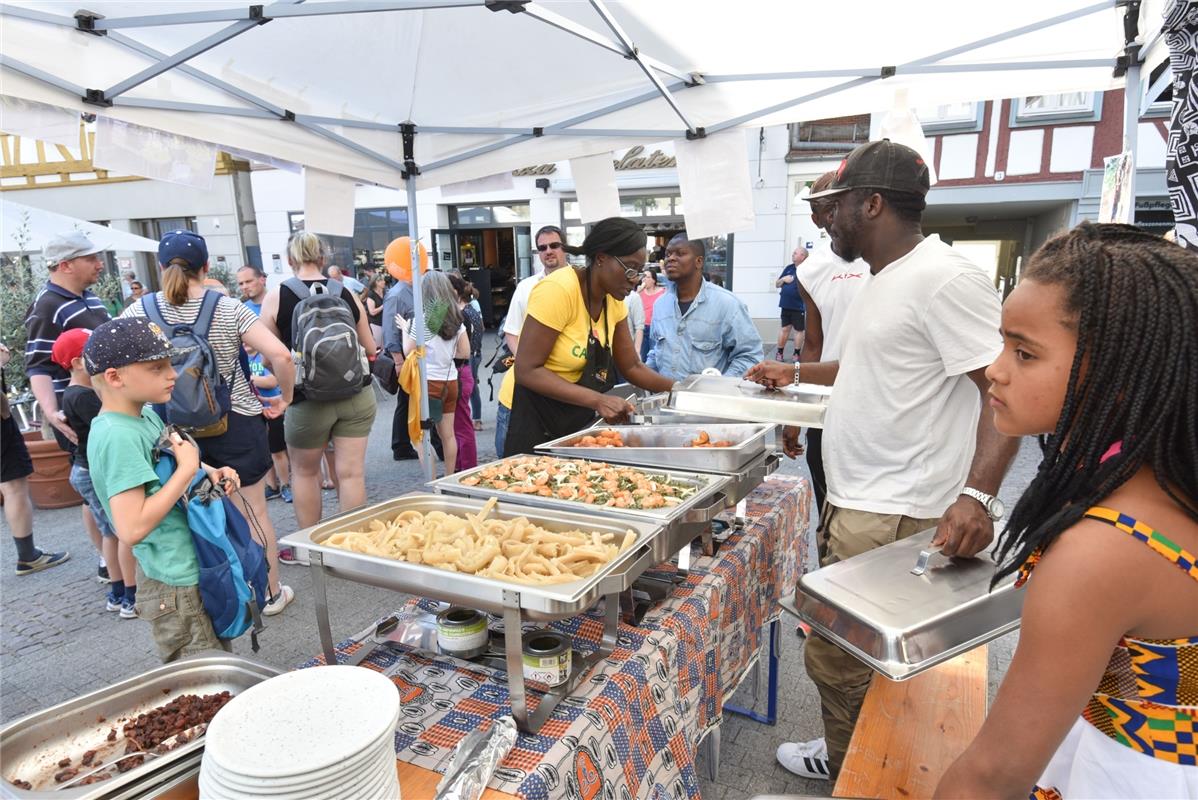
[[634, 723]]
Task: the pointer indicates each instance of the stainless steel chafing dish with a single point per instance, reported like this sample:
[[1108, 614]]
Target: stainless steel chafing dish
[[516, 602], [682, 523], [732, 398], [904, 608], [663, 446], [30, 747]]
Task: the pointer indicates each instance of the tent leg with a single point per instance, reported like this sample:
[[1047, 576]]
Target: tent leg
[[1131, 123], [426, 443]]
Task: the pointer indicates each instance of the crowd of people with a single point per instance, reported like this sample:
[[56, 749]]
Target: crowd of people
[[934, 381]]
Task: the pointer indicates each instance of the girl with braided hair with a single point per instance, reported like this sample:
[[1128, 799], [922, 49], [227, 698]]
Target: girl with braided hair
[[1101, 358]]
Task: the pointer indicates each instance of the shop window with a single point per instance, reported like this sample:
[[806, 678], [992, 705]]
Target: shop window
[[374, 229], [1038, 109], [827, 137], [498, 214]]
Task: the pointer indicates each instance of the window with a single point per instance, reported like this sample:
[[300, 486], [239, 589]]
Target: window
[[951, 117], [1037, 109], [374, 229], [500, 214], [1158, 92], [157, 228], [827, 137]]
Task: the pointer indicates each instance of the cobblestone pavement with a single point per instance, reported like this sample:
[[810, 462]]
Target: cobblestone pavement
[[57, 641]]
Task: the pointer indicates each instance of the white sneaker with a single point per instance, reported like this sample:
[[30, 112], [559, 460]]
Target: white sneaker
[[806, 759], [282, 600]]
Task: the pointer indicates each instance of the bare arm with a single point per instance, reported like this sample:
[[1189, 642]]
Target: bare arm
[[965, 529], [813, 342], [774, 373], [365, 337], [629, 362], [639, 339], [43, 390], [512, 341], [275, 353], [462, 349]]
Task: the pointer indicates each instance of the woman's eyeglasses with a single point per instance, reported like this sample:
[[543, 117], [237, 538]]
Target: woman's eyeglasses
[[550, 246], [630, 273]]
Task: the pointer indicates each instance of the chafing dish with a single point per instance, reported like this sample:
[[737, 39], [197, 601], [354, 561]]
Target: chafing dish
[[732, 398], [31, 746], [514, 601], [900, 620], [682, 523], [667, 446], [539, 602]]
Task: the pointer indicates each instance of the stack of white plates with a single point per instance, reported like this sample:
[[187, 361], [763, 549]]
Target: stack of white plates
[[318, 732]]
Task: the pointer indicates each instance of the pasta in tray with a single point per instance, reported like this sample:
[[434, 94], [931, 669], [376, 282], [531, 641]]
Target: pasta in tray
[[514, 550], [591, 482]]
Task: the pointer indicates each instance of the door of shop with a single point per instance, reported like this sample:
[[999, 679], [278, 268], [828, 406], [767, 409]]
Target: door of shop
[[493, 259]]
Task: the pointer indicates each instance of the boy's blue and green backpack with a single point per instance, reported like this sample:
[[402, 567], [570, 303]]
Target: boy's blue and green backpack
[[233, 583]]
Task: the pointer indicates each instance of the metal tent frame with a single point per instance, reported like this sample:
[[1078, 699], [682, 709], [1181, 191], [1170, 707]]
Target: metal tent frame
[[657, 73]]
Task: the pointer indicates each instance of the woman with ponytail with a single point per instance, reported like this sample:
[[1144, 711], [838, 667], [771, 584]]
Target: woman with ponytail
[[310, 425], [1101, 360], [574, 338], [244, 445]]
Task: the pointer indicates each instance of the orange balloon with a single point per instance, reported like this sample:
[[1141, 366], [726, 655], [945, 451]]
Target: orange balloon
[[398, 258]]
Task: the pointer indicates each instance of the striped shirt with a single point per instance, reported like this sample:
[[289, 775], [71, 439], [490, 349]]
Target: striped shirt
[[53, 311], [231, 320]]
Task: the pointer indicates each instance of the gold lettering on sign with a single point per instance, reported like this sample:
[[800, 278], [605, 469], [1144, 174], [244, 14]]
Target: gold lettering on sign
[[633, 159]]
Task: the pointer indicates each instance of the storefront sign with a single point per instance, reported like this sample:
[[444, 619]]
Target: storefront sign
[[633, 159]]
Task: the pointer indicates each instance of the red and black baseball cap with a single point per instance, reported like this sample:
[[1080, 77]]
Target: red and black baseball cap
[[880, 165]]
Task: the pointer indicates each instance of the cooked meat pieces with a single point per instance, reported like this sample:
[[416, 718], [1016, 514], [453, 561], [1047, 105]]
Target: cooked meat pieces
[[99, 776], [66, 762], [186, 711], [88, 757], [65, 775], [20, 784]]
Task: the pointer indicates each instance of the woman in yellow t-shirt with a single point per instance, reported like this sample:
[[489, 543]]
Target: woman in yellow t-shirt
[[574, 337]]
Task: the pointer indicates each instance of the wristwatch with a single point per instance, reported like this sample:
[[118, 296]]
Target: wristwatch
[[994, 507], [797, 365]]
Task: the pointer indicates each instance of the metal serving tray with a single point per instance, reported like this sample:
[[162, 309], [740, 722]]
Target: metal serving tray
[[31, 746], [665, 446], [539, 602], [901, 623], [679, 522], [733, 398]]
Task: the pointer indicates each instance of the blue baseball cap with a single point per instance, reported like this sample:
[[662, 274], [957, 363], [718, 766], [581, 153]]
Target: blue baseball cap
[[184, 245], [124, 341]]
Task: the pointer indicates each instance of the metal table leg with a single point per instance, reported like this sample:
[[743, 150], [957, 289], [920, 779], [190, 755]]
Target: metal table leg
[[711, 753], [316, 565], [770, 717]]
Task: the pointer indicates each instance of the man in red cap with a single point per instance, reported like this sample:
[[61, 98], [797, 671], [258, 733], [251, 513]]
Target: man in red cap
[[909, 441]]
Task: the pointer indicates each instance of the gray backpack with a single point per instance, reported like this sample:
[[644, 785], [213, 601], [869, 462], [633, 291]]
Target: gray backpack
[[330, 363], [201, 400]]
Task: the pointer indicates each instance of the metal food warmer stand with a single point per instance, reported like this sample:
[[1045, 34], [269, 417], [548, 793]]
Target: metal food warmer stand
[[514, 602]]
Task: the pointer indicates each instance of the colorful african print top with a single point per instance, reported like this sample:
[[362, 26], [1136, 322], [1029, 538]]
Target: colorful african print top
[[1147, 699]]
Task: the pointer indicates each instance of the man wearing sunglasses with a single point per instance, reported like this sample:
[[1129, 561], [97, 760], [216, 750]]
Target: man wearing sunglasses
[[549, 250], [696, 324]]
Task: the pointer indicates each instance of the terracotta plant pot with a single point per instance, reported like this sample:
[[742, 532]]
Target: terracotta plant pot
[[50, 483]]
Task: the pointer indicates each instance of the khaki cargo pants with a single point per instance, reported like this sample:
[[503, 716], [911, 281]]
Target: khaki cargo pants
[[841, 678], [178, 622]]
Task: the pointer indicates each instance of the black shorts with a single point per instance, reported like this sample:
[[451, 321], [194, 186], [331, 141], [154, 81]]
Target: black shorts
[[245, 447], [15, 462], [794, 318], [274, 433]]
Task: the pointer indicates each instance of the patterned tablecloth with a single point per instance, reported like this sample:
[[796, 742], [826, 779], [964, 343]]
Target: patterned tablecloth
[[632, 728]]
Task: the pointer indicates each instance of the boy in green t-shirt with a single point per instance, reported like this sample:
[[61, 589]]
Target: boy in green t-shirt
[[129, 361]]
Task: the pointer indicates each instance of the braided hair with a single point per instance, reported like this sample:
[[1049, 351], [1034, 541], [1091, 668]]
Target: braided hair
[[1133, 298]]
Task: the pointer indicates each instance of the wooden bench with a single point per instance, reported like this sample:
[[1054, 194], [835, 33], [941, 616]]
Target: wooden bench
[[909, 733]]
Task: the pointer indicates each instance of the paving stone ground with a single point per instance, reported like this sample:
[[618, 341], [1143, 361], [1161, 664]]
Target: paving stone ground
[[57, 641]]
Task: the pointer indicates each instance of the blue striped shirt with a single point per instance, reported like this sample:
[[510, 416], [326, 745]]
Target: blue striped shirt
[[53, 311]]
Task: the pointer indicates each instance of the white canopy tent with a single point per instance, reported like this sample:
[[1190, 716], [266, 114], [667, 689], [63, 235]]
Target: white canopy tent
[[30, 228], [428, 92]]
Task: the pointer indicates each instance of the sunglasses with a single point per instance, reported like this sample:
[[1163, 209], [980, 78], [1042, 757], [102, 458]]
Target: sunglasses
[[630, 273], [551, 246]]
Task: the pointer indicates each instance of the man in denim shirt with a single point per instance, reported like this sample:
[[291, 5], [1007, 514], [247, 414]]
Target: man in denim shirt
[[696, 324]]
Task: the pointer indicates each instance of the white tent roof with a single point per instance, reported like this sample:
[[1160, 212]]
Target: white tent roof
[[326, 83], [40, 226]]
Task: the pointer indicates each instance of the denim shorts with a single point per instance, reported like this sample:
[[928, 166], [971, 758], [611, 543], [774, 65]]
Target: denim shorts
[[81, 479]]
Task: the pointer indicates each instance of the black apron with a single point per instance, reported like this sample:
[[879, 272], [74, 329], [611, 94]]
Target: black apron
[[537, 419]]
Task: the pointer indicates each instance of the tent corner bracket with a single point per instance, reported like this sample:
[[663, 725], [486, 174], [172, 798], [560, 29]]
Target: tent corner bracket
[[258, 13], [888, 72], [510, 6], [85, 21], [95, 97], [697, 133]]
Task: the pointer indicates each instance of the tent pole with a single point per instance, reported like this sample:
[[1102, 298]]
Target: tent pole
[[1131, 123], [418, 327], [172, 61]]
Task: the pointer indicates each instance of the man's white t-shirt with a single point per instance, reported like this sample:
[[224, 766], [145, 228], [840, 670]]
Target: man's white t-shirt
[[832, 283], [902, 420], [518, 308]]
